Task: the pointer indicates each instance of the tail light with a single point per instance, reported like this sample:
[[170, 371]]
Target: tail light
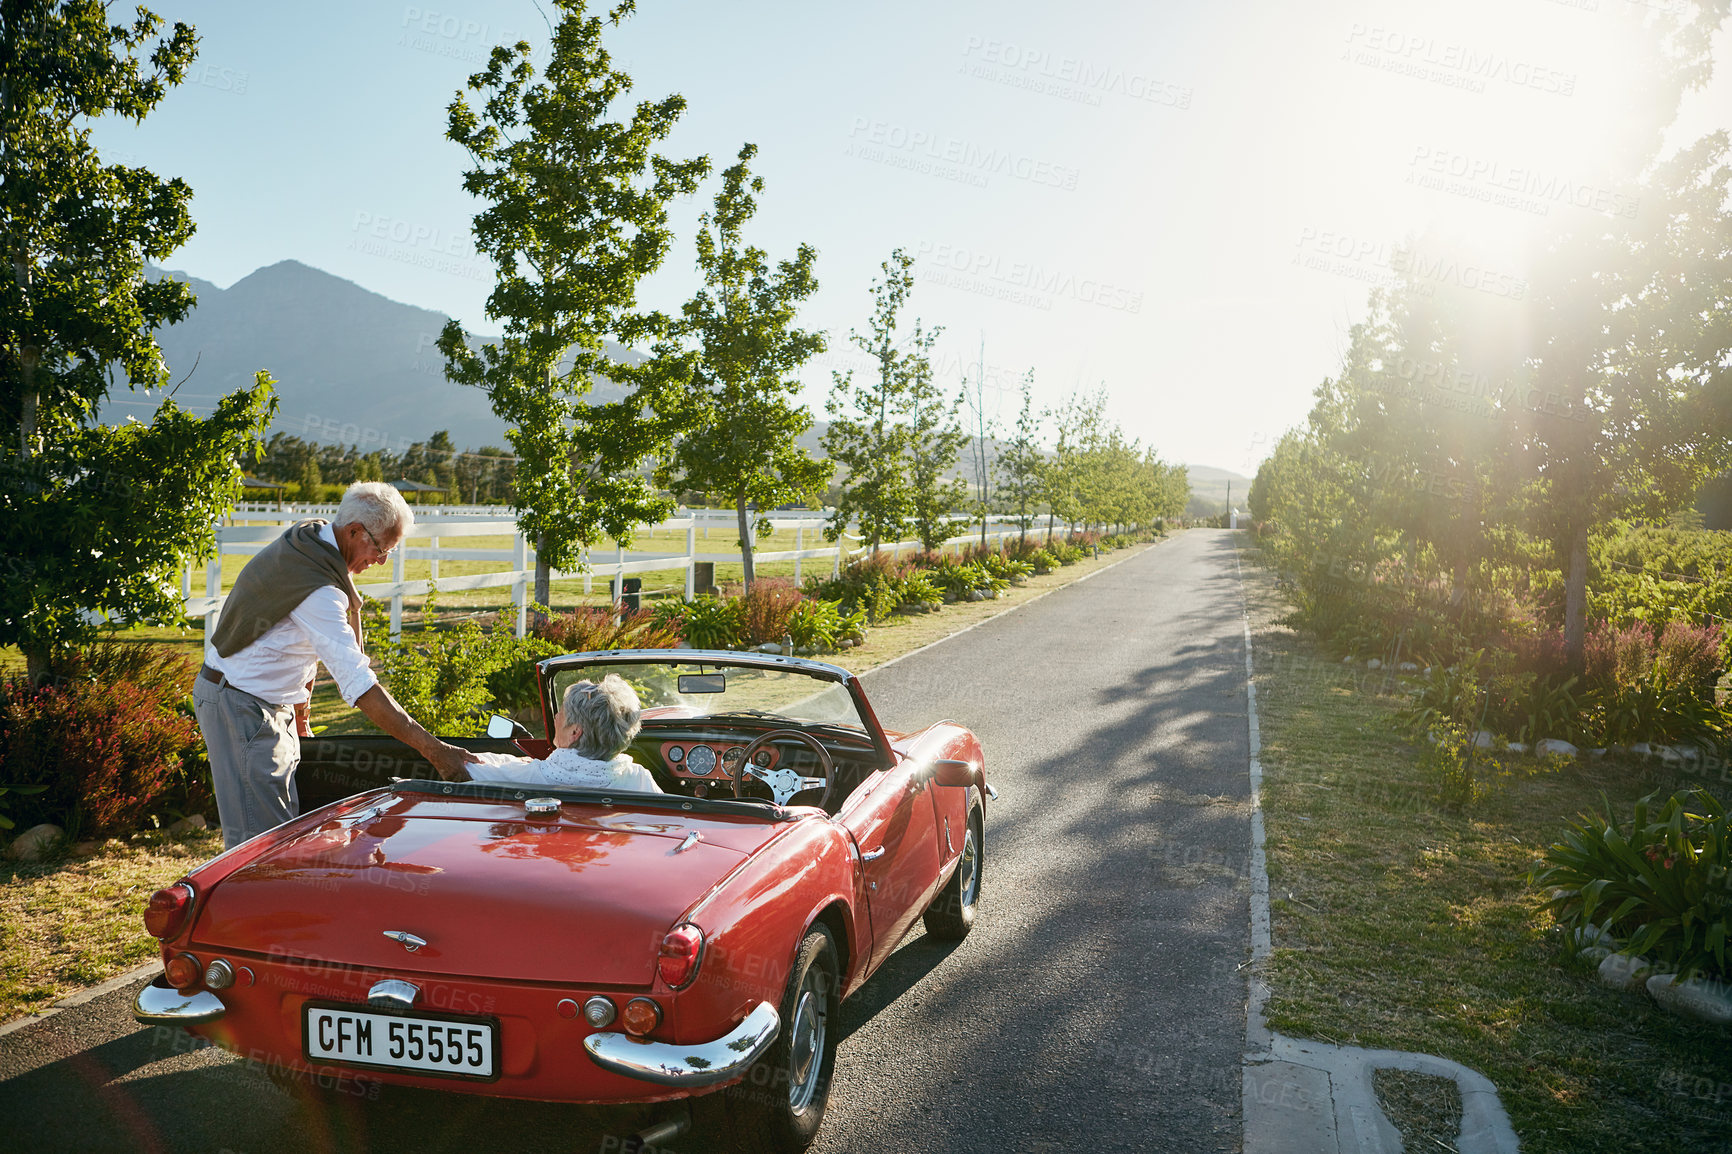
[[167, 910], [677, 958], [184, 972]]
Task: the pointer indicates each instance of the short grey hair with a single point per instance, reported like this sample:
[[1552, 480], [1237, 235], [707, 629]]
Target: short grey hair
[[376, 506], [608, 714]]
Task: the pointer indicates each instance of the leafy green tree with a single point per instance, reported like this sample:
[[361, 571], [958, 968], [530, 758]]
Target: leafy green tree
[[982, 427], [576, 217], [935, 438], [747, 447], [311, 481], [865, 436], [95, 520], [1020, 463]]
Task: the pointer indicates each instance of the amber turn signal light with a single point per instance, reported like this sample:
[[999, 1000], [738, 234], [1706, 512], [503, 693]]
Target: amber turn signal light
[[640, 1017], [184, 972], [166, 912]]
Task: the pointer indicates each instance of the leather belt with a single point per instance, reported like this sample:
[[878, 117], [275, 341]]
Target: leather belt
[[211, 675]]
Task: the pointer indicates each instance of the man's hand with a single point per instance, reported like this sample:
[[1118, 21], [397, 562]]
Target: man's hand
[[303, 720], [452, 763]]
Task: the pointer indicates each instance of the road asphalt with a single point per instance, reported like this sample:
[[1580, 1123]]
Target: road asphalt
[[1099, 1003]]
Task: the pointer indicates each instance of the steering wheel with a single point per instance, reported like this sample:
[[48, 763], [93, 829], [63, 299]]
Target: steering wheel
[[785, 783]]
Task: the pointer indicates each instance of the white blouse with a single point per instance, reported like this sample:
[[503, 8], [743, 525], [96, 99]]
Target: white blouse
[[567, 768]]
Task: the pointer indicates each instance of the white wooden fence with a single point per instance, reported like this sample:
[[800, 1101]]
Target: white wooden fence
[[443, 527]]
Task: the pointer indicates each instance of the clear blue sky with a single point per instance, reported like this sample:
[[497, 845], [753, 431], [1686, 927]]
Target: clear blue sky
[[1184, 201]]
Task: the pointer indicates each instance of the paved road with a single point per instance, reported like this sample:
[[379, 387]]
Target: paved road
[[1098, 1004]]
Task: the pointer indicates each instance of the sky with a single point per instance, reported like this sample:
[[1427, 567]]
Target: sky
[[1185, 203]]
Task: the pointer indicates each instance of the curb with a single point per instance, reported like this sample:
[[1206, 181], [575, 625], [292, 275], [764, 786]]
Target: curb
[[81, 997], [1306, 1097]]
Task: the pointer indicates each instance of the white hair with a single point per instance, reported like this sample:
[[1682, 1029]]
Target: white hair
[[607, 714], [377, 506]]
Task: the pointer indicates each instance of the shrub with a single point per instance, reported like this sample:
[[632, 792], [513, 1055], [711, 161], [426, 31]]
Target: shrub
[[1661, 886], [817, 624], [105, 751], [1043, 561], [710, 623], [1447, 757], [591, 628], [1690, 654], [873, 585], [763, 613]]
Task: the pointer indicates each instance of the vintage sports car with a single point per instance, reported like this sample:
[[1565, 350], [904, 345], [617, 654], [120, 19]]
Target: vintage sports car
[[690, 947]]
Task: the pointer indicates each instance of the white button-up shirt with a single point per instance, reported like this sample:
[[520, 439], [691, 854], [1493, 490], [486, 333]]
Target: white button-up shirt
[[277, 667], [565, 767]]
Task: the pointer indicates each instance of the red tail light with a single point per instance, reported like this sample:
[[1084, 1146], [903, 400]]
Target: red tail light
[[167, 911], [677, 959]]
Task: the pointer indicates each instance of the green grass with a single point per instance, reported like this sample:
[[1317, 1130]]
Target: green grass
[[1400, 924]]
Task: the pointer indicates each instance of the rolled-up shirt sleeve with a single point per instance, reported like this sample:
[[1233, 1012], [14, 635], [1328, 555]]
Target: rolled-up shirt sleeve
[[324, 616]]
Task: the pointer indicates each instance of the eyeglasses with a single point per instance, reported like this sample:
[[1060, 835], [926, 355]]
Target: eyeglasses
[[380, 549]]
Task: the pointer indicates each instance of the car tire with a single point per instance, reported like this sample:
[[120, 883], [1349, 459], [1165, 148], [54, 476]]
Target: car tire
[[780, 1104], [951, 914]]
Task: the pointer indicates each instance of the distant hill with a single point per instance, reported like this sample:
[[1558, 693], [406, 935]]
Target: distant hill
[[1209, 488], [351, 365]]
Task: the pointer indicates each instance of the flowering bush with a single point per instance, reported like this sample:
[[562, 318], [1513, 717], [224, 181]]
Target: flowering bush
[[588, 629], [106, 751], [1660, 886], [764, 612]]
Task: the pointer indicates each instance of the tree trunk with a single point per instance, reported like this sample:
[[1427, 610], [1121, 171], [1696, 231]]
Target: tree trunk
[[543, 574], [1050, 516], [745, 540], [1576, 600]]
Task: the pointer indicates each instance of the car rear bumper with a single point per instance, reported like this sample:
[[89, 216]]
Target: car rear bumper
[[160, 1004], [688, 1067]]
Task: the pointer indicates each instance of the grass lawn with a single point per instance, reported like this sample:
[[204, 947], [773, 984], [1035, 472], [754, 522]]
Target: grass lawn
[[74, 922], [1400, 925], [69, 924]]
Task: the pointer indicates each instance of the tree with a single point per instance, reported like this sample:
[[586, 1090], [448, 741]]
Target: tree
[[1020, 463], [95, 520], [746, 446], [935, 438], [310, 480], [576, 217], [982, 426], [864, 436]]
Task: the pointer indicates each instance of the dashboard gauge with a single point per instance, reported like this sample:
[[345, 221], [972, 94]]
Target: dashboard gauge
[[675, 754], [761, 759], [733, 757], [701, 760]]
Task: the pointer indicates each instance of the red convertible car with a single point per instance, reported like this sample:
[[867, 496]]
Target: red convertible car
[[691, 947]]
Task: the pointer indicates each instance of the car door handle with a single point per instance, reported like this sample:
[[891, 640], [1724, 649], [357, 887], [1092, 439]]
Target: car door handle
[[872, 854]]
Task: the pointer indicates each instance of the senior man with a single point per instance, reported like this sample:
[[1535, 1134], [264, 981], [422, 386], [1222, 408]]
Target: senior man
[[295, 605]]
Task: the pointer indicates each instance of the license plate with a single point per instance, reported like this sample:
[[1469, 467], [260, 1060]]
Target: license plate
[[450, 1047]]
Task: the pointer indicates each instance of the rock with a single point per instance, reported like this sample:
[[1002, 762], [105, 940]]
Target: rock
[[34, 842], [976, 595], [804, 651], [769, 647], [1597, 753], [188, 824], [1409, 667], [1348, 660], [86, 848], [1696, 998], [1518, 747], [1556, 747], [1584, 937], [1622, 972], [1641, 749], [1484, 739], [1374, 663], [1593, 953]]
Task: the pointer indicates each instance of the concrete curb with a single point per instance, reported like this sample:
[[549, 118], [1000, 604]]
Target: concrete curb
[[1305, 1097], [89, 994]]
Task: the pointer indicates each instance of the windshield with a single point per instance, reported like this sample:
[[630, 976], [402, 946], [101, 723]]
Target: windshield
[[708, 689]]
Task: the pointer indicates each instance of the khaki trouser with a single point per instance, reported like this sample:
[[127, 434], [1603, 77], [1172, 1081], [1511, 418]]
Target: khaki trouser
[[253, 756]]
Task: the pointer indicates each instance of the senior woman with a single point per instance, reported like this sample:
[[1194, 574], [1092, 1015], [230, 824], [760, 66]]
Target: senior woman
[[596, 722]]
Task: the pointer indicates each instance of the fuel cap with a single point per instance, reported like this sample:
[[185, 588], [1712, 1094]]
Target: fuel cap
[[542, 806]]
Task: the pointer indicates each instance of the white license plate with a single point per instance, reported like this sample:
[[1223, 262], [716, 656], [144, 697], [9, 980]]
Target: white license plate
[[400, 1042]]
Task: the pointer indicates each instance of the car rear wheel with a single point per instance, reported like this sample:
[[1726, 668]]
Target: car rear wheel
[[951, 914], [780, 1105]]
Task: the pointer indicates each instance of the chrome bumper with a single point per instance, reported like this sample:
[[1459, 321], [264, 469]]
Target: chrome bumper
[[688, 1067], [160, 1004]]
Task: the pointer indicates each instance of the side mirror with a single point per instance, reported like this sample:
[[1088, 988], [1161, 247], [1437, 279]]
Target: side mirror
[[499, 728], [949, 771]]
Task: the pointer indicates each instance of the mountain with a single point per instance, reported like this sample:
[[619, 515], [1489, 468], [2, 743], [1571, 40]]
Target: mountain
[[1209, 487], [351, 365]]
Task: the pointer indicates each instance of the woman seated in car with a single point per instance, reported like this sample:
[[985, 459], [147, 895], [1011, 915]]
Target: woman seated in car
[[595, 723]]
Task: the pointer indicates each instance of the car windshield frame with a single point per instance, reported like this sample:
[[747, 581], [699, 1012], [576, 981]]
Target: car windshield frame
[[554, 670]]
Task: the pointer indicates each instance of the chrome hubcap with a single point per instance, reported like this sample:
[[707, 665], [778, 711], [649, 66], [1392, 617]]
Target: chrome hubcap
[[806, 1044], [969, 866]]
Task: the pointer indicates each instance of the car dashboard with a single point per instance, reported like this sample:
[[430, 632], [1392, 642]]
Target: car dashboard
[[699, 759]]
